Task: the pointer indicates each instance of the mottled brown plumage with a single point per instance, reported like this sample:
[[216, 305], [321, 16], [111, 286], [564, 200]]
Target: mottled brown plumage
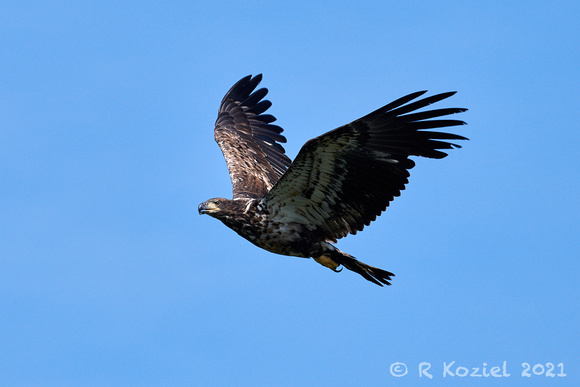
[[339, 182]]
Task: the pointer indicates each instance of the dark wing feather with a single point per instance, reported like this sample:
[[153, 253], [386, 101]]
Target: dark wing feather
[[342, 180], [248, 140]]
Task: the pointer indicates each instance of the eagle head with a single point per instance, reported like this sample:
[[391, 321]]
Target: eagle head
[[228, 211], [212, 206]]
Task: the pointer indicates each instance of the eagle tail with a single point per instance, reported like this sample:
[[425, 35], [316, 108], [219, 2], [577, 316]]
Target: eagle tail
[[335, 257]]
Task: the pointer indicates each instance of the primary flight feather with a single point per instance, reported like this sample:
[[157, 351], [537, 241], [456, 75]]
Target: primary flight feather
[[338, 183]]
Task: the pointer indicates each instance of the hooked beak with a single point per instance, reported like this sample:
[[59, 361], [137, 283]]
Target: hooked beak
[[207, 208]]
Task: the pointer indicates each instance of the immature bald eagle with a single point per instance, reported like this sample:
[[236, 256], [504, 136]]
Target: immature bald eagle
[[338, 183]]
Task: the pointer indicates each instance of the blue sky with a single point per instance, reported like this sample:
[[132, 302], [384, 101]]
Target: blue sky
[[108, 276]]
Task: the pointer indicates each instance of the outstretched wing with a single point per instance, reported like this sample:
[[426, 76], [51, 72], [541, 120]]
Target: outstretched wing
[[248, 140], [342, 180]]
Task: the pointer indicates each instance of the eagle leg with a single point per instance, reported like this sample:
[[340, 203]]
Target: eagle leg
[[335, 257]]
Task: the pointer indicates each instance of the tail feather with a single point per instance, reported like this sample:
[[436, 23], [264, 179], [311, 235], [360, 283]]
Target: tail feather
[[370, 273]]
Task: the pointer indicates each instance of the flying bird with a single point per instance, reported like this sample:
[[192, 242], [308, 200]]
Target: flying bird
[[338, 183]]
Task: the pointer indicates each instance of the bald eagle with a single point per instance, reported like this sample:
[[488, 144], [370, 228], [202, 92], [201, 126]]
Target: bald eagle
[[339, 182]]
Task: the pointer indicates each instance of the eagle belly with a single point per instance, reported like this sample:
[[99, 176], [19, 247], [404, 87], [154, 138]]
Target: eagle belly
[[285, 238], [281, 238]]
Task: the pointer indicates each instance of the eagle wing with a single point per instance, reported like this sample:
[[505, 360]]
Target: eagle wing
[[342, 180], [248, 140]]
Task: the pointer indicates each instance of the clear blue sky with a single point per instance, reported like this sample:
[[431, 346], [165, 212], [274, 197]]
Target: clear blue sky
[[108, 276]]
